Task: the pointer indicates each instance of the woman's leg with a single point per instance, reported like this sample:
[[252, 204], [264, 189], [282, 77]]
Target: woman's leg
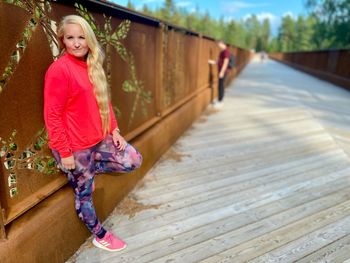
[[109, 159], [81, 180]]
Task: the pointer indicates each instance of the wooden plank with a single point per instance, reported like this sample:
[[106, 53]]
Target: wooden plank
[[234, 182], [158, 200], [208, 180], [198, 231], [207, 192], [309, 242], [254, 156], [240, 201], [275, 130], [263, 243], [240, 164], [337, 251]]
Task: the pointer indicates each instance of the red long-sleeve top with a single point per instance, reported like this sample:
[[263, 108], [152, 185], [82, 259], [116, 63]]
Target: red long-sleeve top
[[71, 112]]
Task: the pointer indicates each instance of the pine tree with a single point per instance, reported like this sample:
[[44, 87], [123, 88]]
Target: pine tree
[[130, 5]]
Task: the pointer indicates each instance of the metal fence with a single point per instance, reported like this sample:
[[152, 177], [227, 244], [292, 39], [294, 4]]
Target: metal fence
[[331, 65], [152, 69]]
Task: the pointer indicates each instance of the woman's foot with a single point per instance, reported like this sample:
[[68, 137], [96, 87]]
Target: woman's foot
[[109, 242]]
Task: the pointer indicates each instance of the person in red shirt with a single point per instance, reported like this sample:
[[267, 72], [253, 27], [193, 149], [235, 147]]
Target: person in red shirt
[[223, 69], [83, 132]]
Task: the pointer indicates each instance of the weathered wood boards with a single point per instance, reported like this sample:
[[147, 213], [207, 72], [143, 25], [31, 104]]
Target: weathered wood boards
[[266, 179]]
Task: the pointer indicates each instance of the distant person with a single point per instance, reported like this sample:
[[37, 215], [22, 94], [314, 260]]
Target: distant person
[[263, 56], [223, 68], [83, 132]]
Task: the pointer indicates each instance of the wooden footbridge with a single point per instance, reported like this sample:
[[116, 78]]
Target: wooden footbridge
[[264, 179]]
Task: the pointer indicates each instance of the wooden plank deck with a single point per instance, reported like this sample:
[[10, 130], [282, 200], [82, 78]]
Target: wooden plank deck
[[265, 179]]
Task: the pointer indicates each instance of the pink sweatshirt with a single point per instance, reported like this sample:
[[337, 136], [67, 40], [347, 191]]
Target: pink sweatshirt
[[71, 112]]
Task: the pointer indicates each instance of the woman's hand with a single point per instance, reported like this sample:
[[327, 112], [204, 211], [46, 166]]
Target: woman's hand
[[68, 162], [118, 140]]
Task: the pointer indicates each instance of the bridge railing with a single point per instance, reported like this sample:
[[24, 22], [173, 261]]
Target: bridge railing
[[330, 65], [153, 68]]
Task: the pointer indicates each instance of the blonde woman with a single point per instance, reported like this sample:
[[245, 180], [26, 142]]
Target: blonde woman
[[83, 131]]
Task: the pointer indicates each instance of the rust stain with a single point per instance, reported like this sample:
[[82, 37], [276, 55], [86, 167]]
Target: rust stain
[[202, 119], [172, 154], [130, 207]]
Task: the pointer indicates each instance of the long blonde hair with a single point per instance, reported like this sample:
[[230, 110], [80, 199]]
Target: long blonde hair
[[95, 58]]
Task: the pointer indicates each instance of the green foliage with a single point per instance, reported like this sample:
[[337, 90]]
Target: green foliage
[[246, 33], [130, 5], [327, 26], [333, 22]]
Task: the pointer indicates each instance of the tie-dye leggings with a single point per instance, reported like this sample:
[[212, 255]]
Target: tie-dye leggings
[[101, 158]]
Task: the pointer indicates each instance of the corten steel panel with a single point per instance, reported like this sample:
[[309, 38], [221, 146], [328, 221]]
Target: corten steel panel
[[343, 64], [22, 106], [180, 65], [208, 72], [191, 55], [134, 107], [320, 60], [13, 20], [330, 65], [173, 68]]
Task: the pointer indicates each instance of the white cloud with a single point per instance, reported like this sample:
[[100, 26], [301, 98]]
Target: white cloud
[[233, 7], [262, 16]]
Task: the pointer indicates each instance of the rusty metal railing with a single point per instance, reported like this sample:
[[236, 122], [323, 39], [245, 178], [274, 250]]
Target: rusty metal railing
[[330, 65]]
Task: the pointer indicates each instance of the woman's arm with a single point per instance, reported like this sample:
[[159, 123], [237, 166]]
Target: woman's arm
[[56, 94]]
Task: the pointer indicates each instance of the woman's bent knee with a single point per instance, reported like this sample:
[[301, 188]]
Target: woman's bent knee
[[135, 156]]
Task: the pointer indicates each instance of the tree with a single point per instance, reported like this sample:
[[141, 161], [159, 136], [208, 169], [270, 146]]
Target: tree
[[265, 34], [249, 33], [146, 10], [287, 34], [304, 33], [130, 5], [252, 27], [333, 22], [168, 10]]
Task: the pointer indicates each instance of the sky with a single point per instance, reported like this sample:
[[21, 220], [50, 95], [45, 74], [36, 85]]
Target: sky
[[232, 9]]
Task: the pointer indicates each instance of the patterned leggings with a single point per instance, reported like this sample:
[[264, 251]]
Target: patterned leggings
[[101, 158]]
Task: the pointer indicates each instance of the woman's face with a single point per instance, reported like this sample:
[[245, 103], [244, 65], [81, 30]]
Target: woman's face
[[74, 41]]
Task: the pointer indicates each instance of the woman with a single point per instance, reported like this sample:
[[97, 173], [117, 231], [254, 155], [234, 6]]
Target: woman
[[83, 132]]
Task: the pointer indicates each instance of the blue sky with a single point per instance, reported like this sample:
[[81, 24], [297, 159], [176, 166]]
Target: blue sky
[[231, 9]]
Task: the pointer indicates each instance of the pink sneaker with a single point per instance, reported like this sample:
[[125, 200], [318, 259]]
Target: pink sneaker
[[109, 242]]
